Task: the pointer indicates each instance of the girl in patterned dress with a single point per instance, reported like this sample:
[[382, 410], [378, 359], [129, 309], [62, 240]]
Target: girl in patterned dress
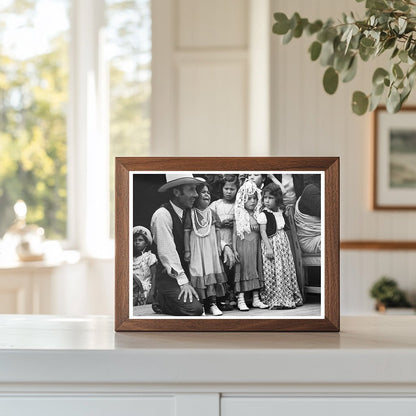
[[202, 251], [246, 244], [144, 266], [281, 290]]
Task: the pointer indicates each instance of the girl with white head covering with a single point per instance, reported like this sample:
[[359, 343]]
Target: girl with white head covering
[[144, 266], [249, 271]]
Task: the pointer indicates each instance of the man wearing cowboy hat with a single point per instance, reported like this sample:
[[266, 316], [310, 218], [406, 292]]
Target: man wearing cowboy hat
[[175, 295]]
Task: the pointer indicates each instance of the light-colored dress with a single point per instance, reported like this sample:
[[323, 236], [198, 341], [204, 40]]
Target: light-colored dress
[[281, 289], [205, 267], [249, 270], [225, 212], [141, 270]]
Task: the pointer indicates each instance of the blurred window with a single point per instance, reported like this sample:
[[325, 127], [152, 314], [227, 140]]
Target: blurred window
[[129, 52], [33, 101]]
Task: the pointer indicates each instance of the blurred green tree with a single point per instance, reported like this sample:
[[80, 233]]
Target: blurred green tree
[[33, 98], [34, 101]]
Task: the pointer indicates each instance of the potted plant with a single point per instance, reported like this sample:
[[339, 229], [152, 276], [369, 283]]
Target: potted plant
[[389, 27], [387, 294]]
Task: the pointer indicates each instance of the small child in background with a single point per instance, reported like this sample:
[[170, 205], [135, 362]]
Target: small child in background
[[202, 251], [281, 290], [258, 178], [242, 177], [144, 266], [248, 270], [224, 210]]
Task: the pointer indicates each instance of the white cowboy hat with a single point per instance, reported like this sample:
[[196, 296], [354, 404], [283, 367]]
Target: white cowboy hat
[[139, 229], [177, 179]]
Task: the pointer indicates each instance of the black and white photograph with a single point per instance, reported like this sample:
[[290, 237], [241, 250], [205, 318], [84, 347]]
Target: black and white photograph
[[219, 245]]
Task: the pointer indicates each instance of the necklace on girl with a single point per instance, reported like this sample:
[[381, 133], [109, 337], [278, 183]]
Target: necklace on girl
[[203, 219]]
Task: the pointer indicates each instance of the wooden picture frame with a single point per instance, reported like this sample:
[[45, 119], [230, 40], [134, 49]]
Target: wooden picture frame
[[133, 172], [394, 159]]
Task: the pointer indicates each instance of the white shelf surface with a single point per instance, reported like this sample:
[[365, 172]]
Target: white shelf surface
[[53, 349]]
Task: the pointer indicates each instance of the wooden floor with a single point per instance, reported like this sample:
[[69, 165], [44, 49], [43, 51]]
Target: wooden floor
[[311, 308]]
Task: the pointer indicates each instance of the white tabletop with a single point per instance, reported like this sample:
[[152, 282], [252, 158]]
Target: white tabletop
[[56, 349]]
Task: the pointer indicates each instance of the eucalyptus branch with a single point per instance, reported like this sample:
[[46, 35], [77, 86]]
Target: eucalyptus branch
[[389, 25]]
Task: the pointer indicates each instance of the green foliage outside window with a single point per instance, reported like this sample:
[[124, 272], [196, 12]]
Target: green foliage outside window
[[34, 103], [33, 99], [129, 41]]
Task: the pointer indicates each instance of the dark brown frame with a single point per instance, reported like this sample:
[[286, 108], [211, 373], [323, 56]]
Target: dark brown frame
[[376, 205], [329, 165]]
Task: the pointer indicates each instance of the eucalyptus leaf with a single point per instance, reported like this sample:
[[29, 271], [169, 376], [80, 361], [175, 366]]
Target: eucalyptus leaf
[[288, 37], [403, 56], [281, 26], [341, 62], [347, 33], [359, 103], [412, 52], [350, 73], [315, 50], [330, 80], [367, 42], [408, 42], [397, 71], [400, 5], [294, 21], [395, 52], [402, 22], [322, 36], [411, 79], [298, 30], [404, 96], [366, 53], [374, 102], [327, 53], [379, 75], [378, 89], [393, 101], [389, 43], [314, 27], [376, 4]]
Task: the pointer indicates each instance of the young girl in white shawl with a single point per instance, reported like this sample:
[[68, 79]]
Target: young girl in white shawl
[[246, 244]]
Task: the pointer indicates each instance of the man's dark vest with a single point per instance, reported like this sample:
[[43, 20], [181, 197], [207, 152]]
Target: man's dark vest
[[178, 236]]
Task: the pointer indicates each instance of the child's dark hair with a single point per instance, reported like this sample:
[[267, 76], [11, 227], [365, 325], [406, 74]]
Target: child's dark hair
[[276, 191], [140, 233], [230, 178], [200, 187]]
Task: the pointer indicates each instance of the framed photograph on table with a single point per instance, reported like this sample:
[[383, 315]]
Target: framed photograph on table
[[227, 244], [394, 179]]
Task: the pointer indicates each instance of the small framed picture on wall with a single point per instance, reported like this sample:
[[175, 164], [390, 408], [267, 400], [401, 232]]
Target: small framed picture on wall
[[394, 179], [227, 244]]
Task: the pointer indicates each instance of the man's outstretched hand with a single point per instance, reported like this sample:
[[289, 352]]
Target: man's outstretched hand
[[188, 292]]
